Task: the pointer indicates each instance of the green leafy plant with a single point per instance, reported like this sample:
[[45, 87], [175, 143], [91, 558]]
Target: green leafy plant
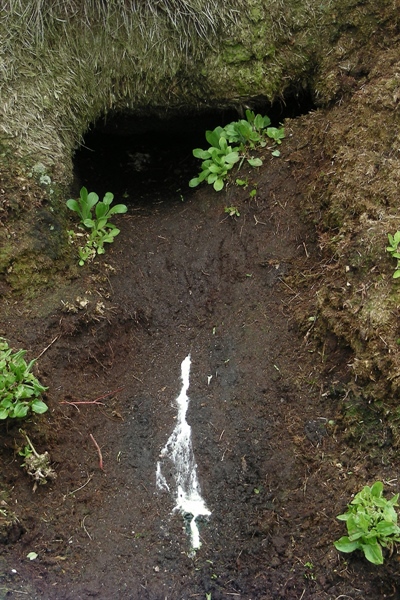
[[371, 522], [101, 230], [217, 160], [393, 249], [220, 157], [20, 391]]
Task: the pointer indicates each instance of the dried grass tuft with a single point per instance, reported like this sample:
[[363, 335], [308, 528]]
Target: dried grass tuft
[[64, 64]]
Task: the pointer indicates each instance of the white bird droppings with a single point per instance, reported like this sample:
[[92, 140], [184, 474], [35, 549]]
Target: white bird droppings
[[180, 451]]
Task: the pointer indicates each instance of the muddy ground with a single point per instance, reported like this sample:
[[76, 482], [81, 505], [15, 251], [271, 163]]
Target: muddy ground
[[274, 459]]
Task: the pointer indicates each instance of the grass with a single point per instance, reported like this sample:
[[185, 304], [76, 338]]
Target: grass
[[110, 56]]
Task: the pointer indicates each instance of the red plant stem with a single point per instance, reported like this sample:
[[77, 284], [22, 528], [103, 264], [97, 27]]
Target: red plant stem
[[98, 452]]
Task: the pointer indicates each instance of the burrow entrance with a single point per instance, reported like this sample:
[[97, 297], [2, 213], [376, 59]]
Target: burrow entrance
[[148, 157]]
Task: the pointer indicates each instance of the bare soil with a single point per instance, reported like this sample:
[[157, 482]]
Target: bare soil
[[275, 462]]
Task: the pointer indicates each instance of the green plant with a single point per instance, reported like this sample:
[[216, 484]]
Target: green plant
[[309, 573], [258, 122], [217, 160], [101, 230], [20, 391], [242, 133], [232, 211], [276, 134], [393, 249], [371, 522]]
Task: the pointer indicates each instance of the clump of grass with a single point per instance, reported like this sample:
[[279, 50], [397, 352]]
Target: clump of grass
[[111, 54]]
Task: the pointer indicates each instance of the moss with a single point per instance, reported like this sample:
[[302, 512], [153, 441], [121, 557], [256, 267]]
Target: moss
[[236, 54]]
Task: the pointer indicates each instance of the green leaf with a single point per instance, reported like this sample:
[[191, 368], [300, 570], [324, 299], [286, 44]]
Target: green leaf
[[199, 153], [110, 235], [3, 414], [386, 529], [73, 205], [194, 182], [396, 274], [232, 158], [212, 177], [223, 144], [345, 545], [373, 553], [255, 162], [92, 199], [261, 122], [101, 210], [250, 116], [213, 137], [39, 407], [89, 223], [215, 168], [118, 209], [276, 153], [276, 134], [377, 489], [218, 185], [108, 198], [20, 410]]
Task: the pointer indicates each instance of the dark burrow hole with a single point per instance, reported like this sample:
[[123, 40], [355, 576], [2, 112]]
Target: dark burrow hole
[[148, 158]]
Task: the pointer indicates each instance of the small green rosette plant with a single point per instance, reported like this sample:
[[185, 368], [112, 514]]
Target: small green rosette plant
[[371, 522], [20, 391]]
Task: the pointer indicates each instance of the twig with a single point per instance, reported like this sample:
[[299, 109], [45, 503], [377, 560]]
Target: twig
[[108, 394], [98, 451], [79, 402], [95, 401], [84, 528], [82, 486], [47, 347]]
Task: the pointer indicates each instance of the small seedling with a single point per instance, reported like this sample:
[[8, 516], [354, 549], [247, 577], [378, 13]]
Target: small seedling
[[232, 211], [242, 182], [20, 391], [371, 522], [32, 555], [393, 249], [255, 162], [101, 230], [309, 574], [276, 134]]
